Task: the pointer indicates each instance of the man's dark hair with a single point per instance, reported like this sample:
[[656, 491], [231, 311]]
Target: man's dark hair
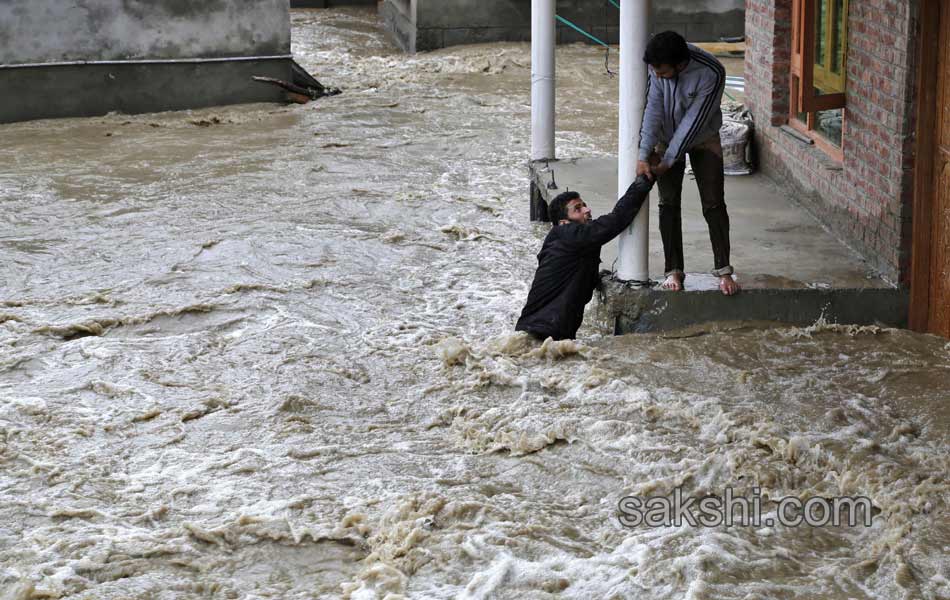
[[666, 48], [557, 210]]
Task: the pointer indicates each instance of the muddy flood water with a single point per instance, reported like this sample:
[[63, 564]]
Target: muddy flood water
[[267, 351]]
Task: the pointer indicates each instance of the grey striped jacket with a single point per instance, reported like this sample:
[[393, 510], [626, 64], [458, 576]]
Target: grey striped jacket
[[683, 112]]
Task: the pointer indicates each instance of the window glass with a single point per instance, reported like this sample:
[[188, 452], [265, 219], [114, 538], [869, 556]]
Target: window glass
[[831, 33], [837, 36], [821, 30], [828, 125]]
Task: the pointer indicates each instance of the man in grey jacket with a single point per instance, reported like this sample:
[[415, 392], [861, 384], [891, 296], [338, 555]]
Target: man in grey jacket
[[683, 117]]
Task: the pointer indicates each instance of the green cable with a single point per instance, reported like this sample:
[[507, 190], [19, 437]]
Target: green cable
[[582, 32], [579, 30]]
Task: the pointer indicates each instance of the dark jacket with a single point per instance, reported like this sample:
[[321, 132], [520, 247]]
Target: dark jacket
[[569, 268]]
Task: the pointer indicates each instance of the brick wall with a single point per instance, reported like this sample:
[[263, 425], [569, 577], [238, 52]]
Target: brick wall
[[866, 199]]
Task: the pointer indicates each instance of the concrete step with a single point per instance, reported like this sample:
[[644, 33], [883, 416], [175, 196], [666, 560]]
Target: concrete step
[[638, 310]]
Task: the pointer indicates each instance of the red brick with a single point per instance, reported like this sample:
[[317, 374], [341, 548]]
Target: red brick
[[867, 201]]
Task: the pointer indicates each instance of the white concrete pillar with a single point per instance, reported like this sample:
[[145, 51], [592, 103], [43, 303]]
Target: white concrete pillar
[[634, 251], [543, 33]]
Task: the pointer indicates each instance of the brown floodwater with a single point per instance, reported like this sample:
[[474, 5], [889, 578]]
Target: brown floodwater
[[267, 351]]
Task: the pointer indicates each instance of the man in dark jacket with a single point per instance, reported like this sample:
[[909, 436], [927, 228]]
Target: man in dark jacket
[[569, 261]]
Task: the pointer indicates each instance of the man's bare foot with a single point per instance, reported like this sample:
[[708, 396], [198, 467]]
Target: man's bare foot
[[728, 285], [674, 282]]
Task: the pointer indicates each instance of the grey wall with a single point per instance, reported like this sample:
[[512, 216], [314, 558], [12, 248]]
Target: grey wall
[[39, 38], [701, 20], [88, 90], [35, 31], [431, 24], [475, 13], [329, 3], [399, 19]]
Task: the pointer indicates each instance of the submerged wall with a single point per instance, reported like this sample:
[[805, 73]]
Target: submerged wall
[[329, 3], [428, 24], [149, 55]]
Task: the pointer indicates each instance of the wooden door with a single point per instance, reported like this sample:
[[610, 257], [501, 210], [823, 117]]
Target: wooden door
[[939, 313]]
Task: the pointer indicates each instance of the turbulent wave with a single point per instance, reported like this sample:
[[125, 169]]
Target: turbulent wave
[[273, 357]]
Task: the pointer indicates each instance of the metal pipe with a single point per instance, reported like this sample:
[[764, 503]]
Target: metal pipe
[[634, 252], [543, 31], [148, 61]]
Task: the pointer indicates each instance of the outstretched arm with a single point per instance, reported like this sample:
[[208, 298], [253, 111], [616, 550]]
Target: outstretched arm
[[605, 228]]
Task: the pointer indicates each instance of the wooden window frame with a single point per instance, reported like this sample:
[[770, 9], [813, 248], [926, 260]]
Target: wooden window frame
[[802, 79], [928, 101]]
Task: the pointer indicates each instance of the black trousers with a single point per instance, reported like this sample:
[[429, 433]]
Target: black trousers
[[706, 160]]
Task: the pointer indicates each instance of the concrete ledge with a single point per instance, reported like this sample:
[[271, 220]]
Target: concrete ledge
[[638, 310], [58, 91], [329, 3]]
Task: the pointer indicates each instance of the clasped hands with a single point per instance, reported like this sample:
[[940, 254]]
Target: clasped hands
[[652, 167]]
